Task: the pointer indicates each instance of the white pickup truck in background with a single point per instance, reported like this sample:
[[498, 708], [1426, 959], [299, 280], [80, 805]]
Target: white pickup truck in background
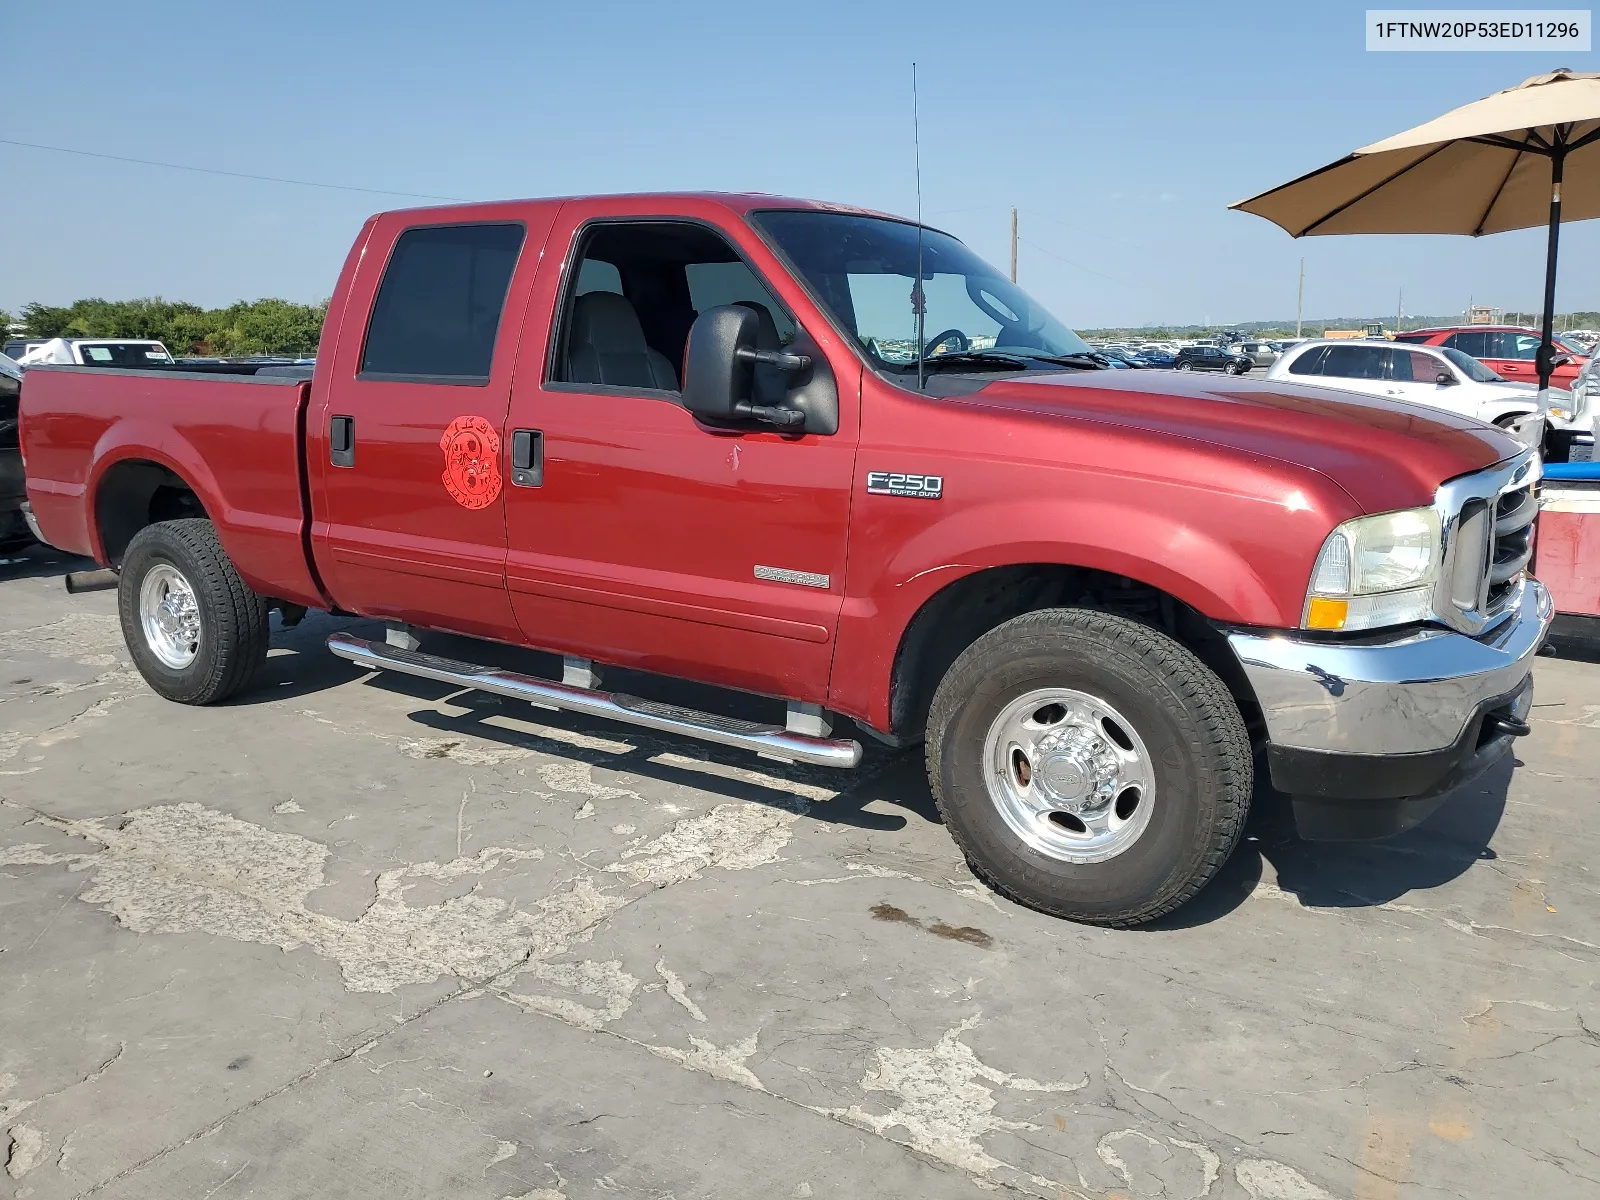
[[97, 352]]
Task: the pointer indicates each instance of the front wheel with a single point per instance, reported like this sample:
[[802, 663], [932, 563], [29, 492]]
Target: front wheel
[[1185, 366], [1089, 766], [196, 632]]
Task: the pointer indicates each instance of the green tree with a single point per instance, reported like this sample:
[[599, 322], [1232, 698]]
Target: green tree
[[44, 321]]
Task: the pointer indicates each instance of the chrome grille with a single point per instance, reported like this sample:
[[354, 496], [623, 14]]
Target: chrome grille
[[1488, 522], [1512, 548]]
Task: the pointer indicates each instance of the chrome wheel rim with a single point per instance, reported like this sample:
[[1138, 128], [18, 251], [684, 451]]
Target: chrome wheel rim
[[169, 616], [1069, 775]]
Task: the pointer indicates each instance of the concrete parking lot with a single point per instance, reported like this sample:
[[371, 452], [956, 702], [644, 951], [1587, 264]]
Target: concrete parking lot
[[367, 937]]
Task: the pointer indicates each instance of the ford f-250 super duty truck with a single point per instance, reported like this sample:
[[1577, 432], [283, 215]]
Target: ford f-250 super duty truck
[[819, 454]]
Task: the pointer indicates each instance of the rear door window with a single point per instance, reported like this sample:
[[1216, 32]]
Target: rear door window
[[1309, 363], [439, 306], [1473, 343], [1354, 362], [1520, 346]]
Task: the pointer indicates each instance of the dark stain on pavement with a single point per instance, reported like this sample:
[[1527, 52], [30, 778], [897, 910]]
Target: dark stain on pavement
[[969, 934]]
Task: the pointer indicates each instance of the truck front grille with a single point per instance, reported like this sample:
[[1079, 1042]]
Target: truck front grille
[[1489, 525], [1513, 543]]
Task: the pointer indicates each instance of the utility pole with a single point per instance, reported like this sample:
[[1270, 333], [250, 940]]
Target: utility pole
[[1013, 243], [1300, 298], [1398, 305]]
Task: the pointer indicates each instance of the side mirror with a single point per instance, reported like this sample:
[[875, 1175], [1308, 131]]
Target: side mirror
[[1445, 379], [719, 369]]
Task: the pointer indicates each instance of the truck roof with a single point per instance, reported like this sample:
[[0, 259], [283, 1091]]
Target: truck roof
[[741, 203]]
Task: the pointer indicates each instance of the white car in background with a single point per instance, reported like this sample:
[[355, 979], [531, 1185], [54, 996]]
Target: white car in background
[[1437, 376]]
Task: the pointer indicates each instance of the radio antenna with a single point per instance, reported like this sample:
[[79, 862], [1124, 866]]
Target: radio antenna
[[919, 303]]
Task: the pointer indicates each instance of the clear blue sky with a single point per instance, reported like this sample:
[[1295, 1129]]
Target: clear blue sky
[[1121, 131]]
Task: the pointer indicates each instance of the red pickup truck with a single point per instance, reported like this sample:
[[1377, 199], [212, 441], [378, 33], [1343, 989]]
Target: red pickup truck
[[833, 458]]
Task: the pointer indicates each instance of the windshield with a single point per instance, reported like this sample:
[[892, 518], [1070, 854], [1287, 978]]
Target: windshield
[[1470, 367], [863, 270], [1571, 346]]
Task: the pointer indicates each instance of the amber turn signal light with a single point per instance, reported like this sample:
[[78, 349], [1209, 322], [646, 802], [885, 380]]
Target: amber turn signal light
[[1323, 613]]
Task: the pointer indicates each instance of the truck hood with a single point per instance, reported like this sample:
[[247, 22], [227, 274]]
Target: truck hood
[[1386, 454]]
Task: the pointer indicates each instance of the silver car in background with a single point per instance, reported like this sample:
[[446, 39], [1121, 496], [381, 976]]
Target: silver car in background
[[1261, 353], [1574, 411]]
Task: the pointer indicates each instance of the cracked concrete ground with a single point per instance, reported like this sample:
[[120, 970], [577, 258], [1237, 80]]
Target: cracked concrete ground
[[369, 937]]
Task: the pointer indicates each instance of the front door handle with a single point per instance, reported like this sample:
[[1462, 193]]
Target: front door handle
[[342, 441], [527, 458]]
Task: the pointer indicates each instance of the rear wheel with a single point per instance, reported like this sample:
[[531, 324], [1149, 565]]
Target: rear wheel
[[1089, 766], [196, 632]]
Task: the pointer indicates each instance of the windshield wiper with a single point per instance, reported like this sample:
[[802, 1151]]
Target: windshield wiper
[[1075, 360], [981, 358]]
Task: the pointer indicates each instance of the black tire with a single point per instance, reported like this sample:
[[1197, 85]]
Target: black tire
[[1184, 366], [1187, 719], [234, 622], [1507, 420]]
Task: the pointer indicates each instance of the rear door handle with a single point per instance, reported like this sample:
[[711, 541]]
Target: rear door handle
[[342, 441], [527, 458]]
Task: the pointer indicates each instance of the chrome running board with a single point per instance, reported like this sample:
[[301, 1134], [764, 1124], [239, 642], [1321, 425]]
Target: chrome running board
[[772, 741]]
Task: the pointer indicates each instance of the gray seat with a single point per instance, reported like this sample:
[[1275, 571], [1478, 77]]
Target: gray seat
[[608, 346]]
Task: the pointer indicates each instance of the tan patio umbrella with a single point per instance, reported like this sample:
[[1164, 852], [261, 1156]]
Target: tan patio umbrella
[[1514, 160]]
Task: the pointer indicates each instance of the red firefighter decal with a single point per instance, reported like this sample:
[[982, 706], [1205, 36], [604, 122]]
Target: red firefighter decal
[[471, 462]]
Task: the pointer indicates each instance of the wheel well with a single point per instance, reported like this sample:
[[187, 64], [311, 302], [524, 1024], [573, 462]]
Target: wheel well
[[954, 618], [136, 493]]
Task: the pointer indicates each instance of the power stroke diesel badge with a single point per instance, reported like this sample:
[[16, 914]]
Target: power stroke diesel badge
[[899, 483]]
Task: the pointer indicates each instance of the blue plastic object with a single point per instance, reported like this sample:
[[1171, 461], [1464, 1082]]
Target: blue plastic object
[[1588, 470]]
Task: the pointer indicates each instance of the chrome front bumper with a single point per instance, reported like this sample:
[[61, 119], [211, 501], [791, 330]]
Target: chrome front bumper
[[1410, 694]]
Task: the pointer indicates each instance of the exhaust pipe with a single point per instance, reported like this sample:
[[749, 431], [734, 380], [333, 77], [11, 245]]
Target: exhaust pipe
[[91, 581]]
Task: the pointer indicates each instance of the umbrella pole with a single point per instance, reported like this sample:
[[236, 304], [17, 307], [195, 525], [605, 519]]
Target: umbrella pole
[[1547, 349]]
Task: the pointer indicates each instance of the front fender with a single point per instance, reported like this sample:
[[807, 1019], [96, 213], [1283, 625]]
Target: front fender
[[1492, 410], [1161, 549], [1234, 559]]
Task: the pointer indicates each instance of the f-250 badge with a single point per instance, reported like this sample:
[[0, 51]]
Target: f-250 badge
[[471, 462], [899, 483]]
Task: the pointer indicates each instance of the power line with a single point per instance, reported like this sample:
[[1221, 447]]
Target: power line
[[1070, 263], [146, 162]]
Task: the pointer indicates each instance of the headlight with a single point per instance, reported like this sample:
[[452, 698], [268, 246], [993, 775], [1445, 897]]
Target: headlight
[[1376, 571], [1562, 404]]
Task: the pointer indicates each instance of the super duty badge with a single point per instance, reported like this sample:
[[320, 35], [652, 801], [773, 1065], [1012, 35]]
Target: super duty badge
[[899, 483]]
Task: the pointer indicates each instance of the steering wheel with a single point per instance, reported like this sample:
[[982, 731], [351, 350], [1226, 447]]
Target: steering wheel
[[961, 342]]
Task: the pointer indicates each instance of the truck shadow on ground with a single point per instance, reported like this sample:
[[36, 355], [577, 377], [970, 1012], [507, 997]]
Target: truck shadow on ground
[[887, 790], [1353, 874], [40, 562], [300, 665]]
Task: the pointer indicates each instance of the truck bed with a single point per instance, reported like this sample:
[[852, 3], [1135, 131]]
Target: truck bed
[[101, 439]]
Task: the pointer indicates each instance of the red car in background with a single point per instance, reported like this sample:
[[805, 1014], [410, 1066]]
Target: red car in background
[[1508, 350]]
